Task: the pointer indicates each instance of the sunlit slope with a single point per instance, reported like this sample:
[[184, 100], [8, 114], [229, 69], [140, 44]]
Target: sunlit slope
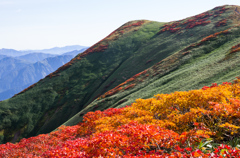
[[129, 50], [213, 58]]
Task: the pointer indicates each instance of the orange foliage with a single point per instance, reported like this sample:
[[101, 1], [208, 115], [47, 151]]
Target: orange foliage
[[214, 35], [201, 19], [235, 48], [120, 86], [129, 86], [221, 23], [168, 125]]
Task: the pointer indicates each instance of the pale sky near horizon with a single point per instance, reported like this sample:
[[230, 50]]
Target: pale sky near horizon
[[41, 24]]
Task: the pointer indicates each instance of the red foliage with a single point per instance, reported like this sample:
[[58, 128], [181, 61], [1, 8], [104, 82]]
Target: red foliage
[[221, 23], [197, 20], [235, 48], [119, 87], [219, 10], [192, 22], [141, 73], [129, 86], [170, 27], [112, 91], [214, 35], [197, 23], [172, 30], [201, 19], [215, 85]]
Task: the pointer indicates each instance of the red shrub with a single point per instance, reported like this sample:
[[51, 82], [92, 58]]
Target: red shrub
[[129, 86], [235, 48], [221, 23]]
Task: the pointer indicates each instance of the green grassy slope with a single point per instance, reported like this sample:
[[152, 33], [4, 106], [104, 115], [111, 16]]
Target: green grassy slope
[[132, 48], [206, 61]]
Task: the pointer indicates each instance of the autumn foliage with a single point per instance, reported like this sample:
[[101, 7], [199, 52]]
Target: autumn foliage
[[208, 38], [198, 20], [123, 86], [168, 125], [221, 23], [235, 48]]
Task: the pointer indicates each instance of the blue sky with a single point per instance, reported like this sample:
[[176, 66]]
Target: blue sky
[[39, 24]]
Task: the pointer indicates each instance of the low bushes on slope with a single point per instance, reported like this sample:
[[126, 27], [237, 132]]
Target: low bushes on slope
[[180, 124]]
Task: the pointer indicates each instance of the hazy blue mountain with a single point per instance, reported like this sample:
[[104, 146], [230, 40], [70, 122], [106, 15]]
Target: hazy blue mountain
[[12, 52], [55, 50], [3, 56], [8, 93], [75, 52], [35, 57], [10, 65], [60, 50], [17, 73]]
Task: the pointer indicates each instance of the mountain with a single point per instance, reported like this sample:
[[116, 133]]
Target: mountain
[[40, 53], [3, 56], [75, 52], [34, 57], [17, 73], [10, 64], [11, 52], [60, 50], [17, 80], [139, 59]]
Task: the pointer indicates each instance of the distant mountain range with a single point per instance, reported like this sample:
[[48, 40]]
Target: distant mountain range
[[34, 57], [12, 52], [19, 72], [59, 50], [55, 50]]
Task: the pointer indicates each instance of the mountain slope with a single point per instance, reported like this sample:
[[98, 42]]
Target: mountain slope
[[129, 50]]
